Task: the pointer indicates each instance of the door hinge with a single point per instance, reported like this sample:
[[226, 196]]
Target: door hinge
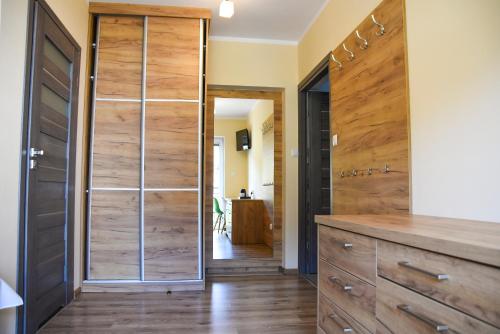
[[307, 245]]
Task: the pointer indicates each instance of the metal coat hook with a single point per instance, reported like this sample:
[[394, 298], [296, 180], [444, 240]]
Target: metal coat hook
[[351, 54], [336, 61], [380, 25], [365, 42]]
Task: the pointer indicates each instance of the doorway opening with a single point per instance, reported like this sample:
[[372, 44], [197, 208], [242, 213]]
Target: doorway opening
[[243, 168], [314, 164], [246, 238]]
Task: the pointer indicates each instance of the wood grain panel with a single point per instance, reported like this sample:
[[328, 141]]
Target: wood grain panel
[[468, 239], [390, 295], [119, 72], [471, 288], [369, 99], [114, 239], [359, 259], [334, 320], [247, 218], [171, 235], [359, 301], [148, 10], [117, 148], [173, 58], [171, 147]]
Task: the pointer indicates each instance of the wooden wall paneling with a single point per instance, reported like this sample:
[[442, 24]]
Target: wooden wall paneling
[[171, 235], [171, 145], [148, 10], [173, 58], [119, 72], [117, 147], [114, 235], [369, 103], [277, 95]]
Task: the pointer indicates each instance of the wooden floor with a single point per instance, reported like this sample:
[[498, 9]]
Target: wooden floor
[[230, 305], [223, 249]]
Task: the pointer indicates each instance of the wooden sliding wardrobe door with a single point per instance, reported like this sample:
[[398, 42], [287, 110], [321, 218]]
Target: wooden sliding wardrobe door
[[172, 150], [114, 189]]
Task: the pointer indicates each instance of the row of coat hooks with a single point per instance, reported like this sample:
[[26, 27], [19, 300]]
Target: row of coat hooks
[[368, 171], [363, 45]]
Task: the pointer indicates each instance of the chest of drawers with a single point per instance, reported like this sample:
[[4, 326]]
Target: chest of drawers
[[408, 274]]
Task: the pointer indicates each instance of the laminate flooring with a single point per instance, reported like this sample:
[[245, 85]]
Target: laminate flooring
[[223, 249], [230, 305]]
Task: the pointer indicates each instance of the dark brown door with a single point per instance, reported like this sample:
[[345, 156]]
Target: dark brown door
[[50, 174]]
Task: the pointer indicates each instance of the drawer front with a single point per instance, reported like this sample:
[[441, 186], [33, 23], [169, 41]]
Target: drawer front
[[400, 310], [353, 295], [332, 320], [470, 287], [352, 252]]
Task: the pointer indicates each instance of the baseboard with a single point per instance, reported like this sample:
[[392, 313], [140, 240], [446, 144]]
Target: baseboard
[[77, 292], [290, 272], [242, 271], [165, 287]]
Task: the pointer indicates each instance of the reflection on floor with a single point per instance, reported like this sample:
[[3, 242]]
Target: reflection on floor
[[224, 249], [229, 305]]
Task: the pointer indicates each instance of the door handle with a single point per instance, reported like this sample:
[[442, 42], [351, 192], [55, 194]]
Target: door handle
[[35, 153]]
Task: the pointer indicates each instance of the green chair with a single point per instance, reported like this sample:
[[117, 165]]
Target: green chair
[[219, 213]]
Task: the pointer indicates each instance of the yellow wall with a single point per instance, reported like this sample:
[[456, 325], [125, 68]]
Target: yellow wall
[[235, 163], [454, 100], [262, 110], [251, 64], [336, 21], [13, 34]]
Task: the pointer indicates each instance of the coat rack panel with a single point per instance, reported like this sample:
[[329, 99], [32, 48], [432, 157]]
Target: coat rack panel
[[369, 103]]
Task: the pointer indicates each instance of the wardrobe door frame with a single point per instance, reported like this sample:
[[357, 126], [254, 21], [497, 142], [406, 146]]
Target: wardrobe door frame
[[143, 285]]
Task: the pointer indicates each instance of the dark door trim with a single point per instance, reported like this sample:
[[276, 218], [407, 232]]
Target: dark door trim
[[21, 271], [303, 87]]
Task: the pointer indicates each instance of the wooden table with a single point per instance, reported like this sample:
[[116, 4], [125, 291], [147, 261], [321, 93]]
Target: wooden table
[[245, 221]]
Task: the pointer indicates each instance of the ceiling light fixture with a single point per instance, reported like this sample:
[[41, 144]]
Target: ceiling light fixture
[[226, 9]]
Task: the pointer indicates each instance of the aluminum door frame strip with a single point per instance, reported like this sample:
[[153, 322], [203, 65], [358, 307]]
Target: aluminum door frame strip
[[125, 281], [201, 90], [110, 99], [91, 148], [172, 100], [170, 189], [115, 189], [143, 145]]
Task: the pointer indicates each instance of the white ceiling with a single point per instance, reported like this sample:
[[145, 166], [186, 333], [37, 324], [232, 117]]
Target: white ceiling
[[279, 20], [233, 108]]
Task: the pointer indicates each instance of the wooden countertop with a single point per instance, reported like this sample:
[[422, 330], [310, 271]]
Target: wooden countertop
[[473, 240]]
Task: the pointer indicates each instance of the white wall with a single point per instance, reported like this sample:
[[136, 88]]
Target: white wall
[[454, 73], [13, 45]]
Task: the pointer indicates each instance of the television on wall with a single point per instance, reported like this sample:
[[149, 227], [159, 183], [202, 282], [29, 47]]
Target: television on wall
[[243, 140]]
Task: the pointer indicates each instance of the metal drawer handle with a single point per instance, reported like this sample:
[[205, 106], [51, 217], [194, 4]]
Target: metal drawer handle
[[439, 277], [335, 320], [434, 324], [335, 280], [347, 245]]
